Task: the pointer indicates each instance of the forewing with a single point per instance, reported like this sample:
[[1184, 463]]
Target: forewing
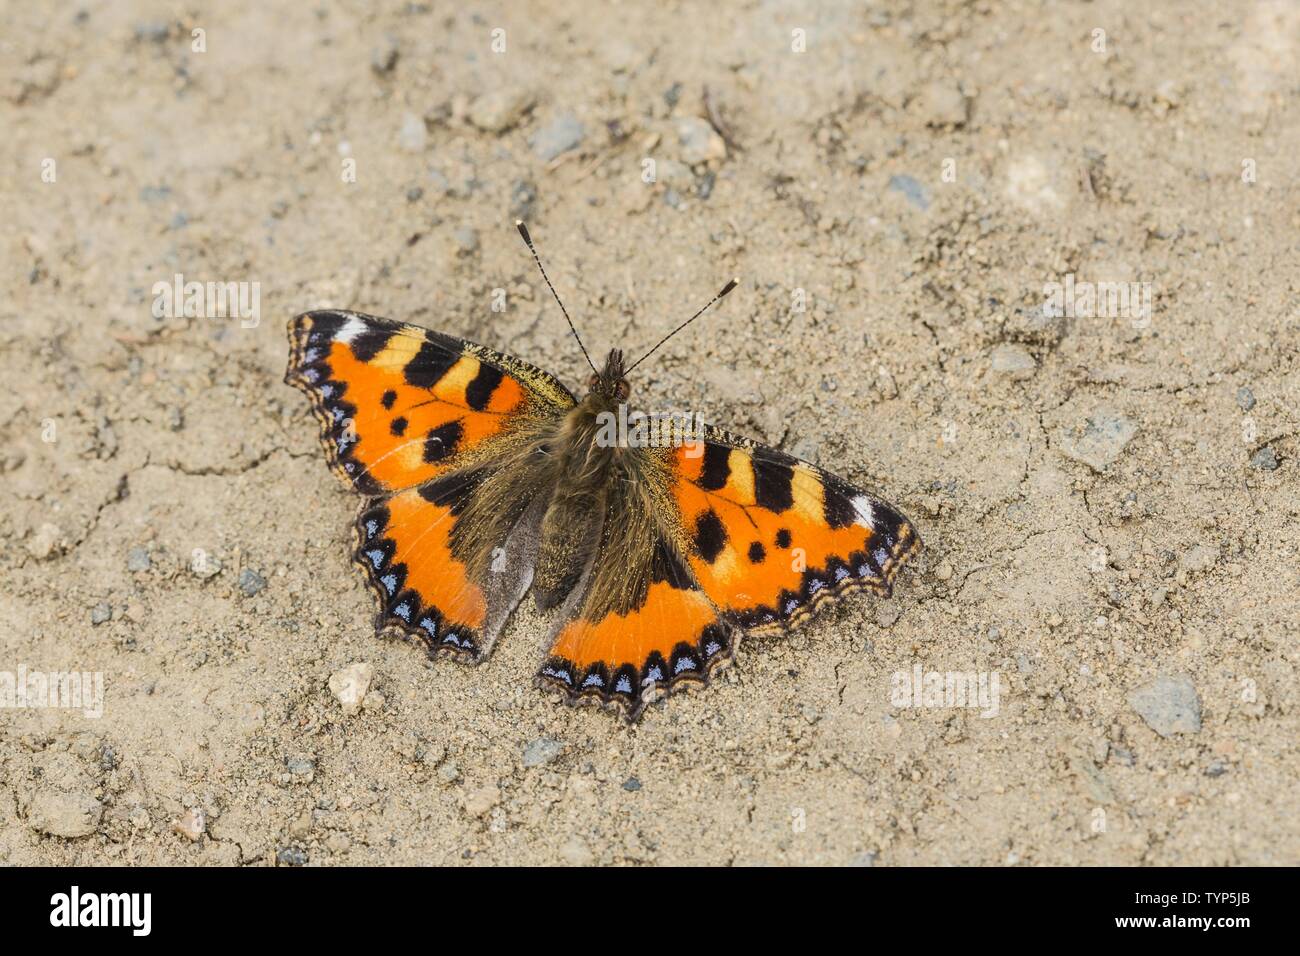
[[399, 405]]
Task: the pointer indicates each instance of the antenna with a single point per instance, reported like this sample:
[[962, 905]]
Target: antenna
[[725, 289], [523, 231]]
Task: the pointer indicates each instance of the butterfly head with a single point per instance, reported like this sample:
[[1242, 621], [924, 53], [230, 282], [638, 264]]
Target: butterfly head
[[611, 381]]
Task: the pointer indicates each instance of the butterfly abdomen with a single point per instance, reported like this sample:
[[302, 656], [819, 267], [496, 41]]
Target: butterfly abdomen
[[572, 520]]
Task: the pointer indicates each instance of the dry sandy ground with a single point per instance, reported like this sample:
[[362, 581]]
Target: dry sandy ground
[[1109, 503]]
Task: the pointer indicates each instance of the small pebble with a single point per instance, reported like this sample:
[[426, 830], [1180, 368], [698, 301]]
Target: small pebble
[[1169, 705], [1102, 439], [300, 766], [1245, 399], [191, 824], [914, 191], [557, 137], [44, 543], [497, 111], [1012, 360], [1265, 459], [291, 856], [349, 686], [137, 559], [542, 751], [698, 142], [250, 582], [100, 613], [631, 784]]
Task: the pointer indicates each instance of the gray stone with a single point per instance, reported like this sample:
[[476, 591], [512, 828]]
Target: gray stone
[[250, 582], [1012, 360], [542, 751], [137, 559], [563, 133], [916, 193], [100, 613], [300, 766], [1104, 435], [1169, 705], [291, 856], [631, 784], [1265, 459], [1245, 399]]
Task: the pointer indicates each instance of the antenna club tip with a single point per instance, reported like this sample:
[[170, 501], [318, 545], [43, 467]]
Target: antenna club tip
[[523, 231], [729, 286]]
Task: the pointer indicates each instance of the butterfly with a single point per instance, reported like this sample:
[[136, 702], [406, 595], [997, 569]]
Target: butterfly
[[484, 476]]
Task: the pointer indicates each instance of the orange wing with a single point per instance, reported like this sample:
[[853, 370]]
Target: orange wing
[[637, 625], [771, 538], [400, 405], [440, 431]]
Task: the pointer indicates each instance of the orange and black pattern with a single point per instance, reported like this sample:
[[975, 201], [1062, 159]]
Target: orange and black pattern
[[670, 636], [400, 405], [772, 538], [482, 474]]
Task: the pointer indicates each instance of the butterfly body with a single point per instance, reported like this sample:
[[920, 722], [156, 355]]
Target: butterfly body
[[485, 477]]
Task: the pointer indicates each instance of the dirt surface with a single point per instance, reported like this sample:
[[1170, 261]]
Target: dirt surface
[[1109, 503]]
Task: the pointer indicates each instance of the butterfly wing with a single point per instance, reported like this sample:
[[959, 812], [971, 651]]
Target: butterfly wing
[[637, 625], [771, 538], [448, 440], [399, 405]]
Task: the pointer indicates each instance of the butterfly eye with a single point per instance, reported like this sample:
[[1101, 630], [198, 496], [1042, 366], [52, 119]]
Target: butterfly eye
[[593, 381], [622, 390]]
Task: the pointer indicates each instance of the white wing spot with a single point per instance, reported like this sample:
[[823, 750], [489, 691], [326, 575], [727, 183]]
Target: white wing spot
[[350, 330], [866, 514]]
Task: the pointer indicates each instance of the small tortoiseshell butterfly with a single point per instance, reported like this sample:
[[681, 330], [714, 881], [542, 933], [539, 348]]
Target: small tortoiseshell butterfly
[[484, 475]]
